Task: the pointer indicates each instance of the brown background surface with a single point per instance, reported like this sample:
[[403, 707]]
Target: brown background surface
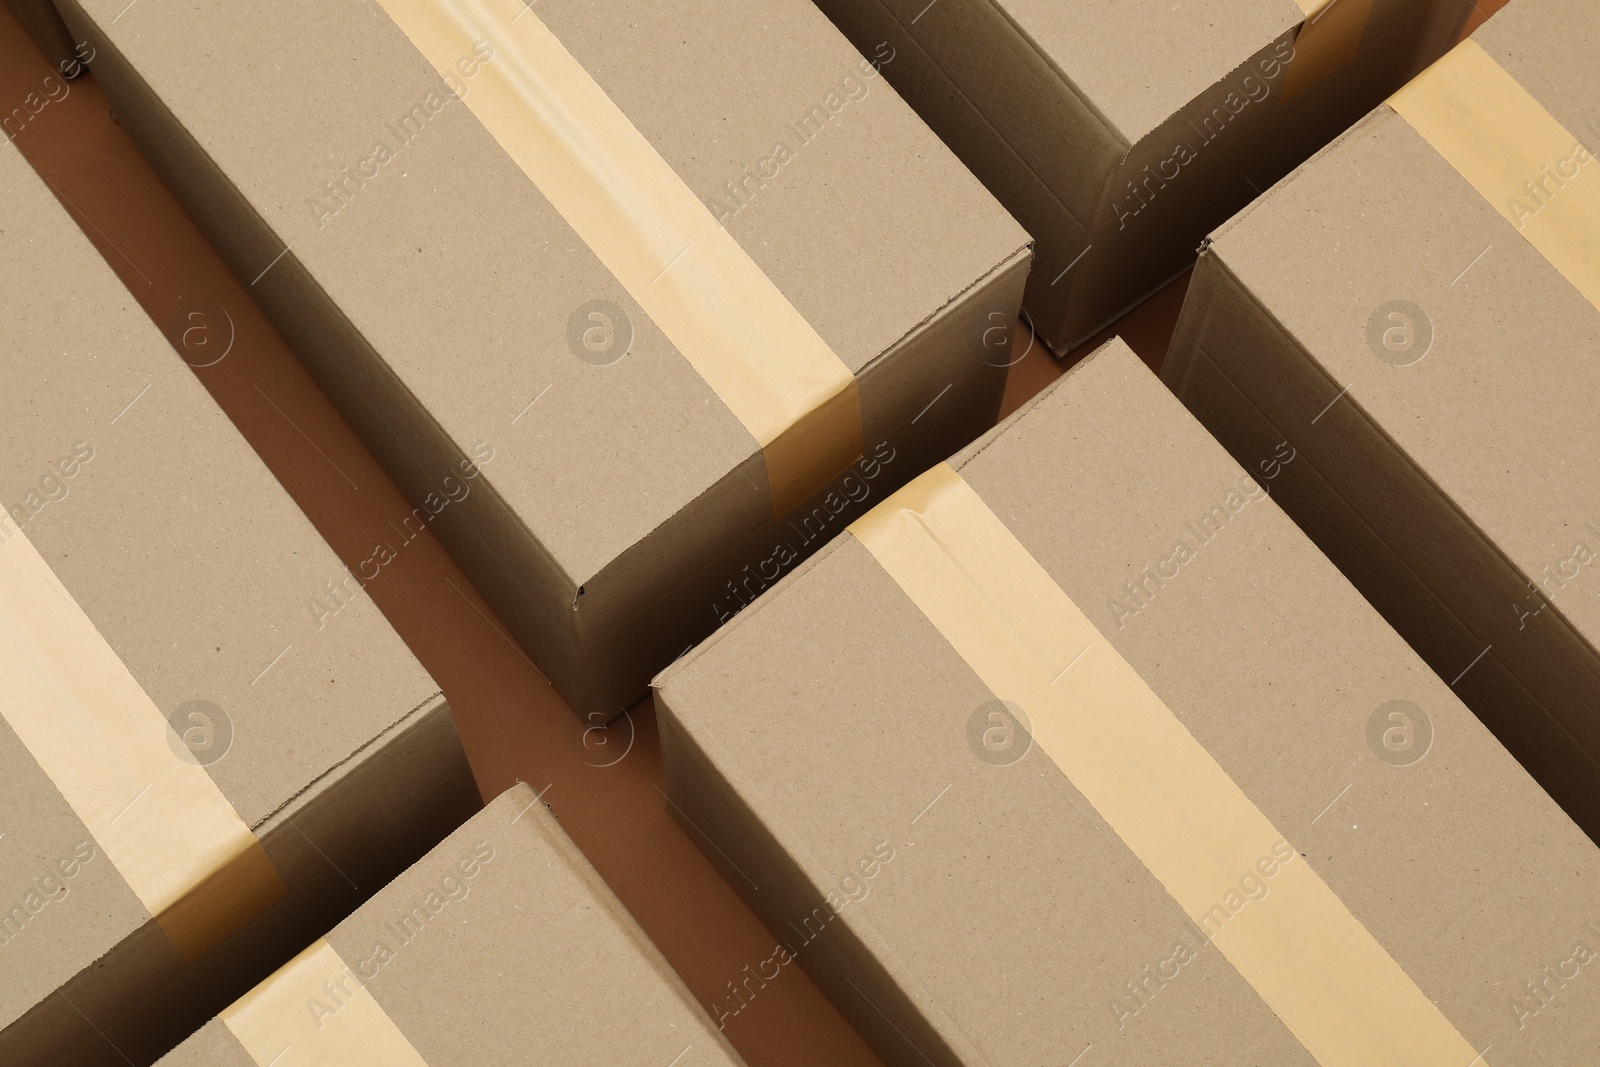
[[605, 787]]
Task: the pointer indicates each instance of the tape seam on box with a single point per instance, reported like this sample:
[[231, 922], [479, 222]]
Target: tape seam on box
[[314, 1011], [1518, 156], [1329, 38], [1324, 975], [87, 722], [733, 325]]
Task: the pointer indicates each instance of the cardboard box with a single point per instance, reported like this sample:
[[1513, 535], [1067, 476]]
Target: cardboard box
[[1076, 747], [1434, 368], [718, 195], [196, 773], [502, 945], [1119, 134]]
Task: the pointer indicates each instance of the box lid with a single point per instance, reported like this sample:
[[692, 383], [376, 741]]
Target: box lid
[[1013, 914], [190, 561], [466, 280]]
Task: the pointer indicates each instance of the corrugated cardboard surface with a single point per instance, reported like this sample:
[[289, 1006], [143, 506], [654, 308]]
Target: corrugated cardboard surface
[[605, 785], [513, 724], [1120, 134], [198, 570], [1446, 486], [529, 959], [434, 303], [832, 720]]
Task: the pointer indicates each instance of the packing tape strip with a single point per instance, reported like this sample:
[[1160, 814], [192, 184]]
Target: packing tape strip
[[1313, 963], [314, 1012], [167, 828], [739, 332], [1329, 38], [1515, 154]]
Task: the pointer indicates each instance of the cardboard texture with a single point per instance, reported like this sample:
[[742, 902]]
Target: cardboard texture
[[502, 945], [622, 511], [1120, 134], [1434, 369], [965, 901], [603, 784], [324, 740]]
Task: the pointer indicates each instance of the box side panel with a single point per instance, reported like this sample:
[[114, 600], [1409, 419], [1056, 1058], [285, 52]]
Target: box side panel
[[796, 911], [1423, 565]]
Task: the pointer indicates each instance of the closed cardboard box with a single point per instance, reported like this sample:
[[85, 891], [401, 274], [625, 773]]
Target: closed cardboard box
[[196, 773], [1416, 311], [502, 945], [1119, 134], [1076, 747], [686, 287]]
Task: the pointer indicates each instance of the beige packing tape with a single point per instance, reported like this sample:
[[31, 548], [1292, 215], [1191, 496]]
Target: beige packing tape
[[1515, 154], [1313, 963], [739, 332], [167, 828], [1329, 38], [314, 1012]]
